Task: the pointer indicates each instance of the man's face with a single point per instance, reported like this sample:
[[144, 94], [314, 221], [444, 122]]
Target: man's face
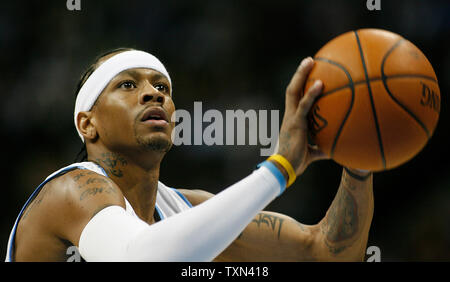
[[134, 111]]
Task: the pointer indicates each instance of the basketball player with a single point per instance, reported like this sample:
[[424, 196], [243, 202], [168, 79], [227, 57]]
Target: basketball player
[[113, 208]]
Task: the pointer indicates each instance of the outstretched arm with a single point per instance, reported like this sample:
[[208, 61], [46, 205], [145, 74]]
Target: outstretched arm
[[340, 236]]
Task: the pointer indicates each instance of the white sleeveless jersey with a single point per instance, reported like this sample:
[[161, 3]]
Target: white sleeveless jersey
[[169, 201]]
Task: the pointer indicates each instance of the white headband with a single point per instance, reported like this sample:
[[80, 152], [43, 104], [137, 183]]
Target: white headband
[[100, 78]]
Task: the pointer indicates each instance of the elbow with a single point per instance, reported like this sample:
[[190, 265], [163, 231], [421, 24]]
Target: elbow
[[325, 250]]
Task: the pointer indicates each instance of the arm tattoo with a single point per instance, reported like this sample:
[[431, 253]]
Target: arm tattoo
[[342, 218], [45, 190], [104, 187], [96, 190], [273, 222], [341, 221], [81, 174]]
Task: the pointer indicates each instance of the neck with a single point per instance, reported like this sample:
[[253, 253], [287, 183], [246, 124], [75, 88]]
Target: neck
[[136, 175]]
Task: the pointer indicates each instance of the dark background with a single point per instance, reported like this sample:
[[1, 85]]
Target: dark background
[[228, 55]]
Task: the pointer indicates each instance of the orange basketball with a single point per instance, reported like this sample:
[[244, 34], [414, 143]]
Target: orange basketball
[[380, 102]]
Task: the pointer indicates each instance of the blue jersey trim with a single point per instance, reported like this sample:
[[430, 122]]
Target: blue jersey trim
[[182, 197], [31, 198], [161, 217]]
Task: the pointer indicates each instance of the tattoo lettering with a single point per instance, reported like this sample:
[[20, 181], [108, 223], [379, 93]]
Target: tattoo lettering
[[112, 162], [271, 221], [92, 191], [96, 190], [96, 180], [82, 174], [91, 180], [92, 185]]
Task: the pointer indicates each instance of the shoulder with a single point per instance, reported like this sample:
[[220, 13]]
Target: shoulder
[[196, 196], [86, 192], [72, 199], [79, 184], [58, 213]]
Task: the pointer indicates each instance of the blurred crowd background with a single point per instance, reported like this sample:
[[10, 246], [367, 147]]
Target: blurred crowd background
[[228, 55]]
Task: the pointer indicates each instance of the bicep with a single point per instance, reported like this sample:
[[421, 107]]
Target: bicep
[[83, 195]]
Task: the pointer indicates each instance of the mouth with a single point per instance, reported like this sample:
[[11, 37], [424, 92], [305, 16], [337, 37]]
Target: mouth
[[155, 116]]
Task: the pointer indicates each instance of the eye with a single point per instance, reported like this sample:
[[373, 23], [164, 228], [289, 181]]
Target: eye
[[127, 85], [161, 87]]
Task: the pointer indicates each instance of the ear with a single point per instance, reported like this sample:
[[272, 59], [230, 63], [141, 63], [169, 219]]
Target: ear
[[86, 125]]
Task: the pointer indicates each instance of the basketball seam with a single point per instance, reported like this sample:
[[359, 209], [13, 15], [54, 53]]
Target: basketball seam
[[377, 126], [384, 78], [341, 127], [374, 79], [411, 76]]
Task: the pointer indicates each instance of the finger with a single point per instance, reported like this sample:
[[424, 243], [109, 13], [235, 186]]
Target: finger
[[309, 98], [295, 87]]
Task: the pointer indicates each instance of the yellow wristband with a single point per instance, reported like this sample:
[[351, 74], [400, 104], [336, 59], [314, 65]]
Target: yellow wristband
[[287, 166]]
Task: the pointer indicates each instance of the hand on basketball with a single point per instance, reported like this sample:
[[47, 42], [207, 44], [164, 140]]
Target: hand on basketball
[[293, 138]]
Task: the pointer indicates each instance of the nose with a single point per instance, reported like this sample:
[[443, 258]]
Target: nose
[[150, 94]]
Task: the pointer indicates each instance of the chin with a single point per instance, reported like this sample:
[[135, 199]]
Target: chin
[[155, 143]]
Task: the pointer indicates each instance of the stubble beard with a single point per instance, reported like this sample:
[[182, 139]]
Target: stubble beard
[[153, 143]]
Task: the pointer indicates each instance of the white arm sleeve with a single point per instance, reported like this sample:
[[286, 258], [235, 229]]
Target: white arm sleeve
[[198, 234]]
